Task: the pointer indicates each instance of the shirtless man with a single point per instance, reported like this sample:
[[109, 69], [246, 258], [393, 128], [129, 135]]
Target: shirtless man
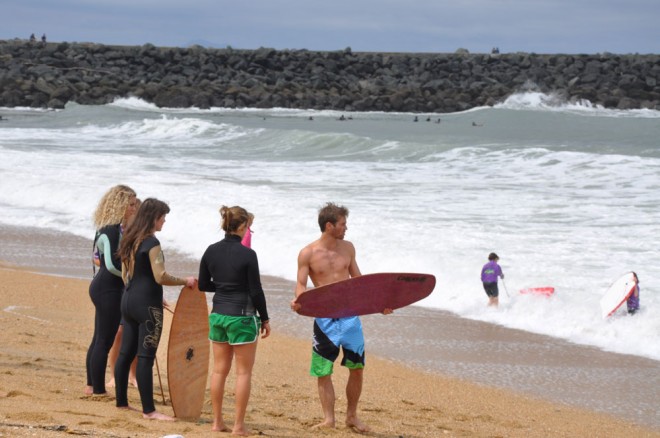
[[326, 260]]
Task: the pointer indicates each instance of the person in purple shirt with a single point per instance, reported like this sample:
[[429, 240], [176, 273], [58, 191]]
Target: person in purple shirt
[[489, 274], [633, 299]]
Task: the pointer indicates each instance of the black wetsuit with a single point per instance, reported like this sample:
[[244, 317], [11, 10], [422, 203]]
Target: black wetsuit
[[105, 291], [231, 270], [142, 310]]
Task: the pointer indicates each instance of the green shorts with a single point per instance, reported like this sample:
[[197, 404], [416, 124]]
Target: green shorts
[[236, 330]]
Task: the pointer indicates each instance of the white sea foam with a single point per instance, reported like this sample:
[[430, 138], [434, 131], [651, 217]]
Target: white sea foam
[[538, 101], [562, 200]]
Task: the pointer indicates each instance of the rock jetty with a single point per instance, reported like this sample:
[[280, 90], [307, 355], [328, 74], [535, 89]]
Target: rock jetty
[[51, 74]]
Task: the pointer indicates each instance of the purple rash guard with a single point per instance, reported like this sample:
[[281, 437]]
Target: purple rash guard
[[490, 272], [633, 301]]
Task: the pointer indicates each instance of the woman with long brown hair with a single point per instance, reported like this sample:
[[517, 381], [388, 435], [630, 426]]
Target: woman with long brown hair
[[143, 271], [239, 314]]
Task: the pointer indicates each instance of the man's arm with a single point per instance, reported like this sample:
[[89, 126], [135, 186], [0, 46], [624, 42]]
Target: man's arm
[[353, 269], [303, 271], [302, 276]]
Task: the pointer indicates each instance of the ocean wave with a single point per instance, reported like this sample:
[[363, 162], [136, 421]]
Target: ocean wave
[[538, 101], [138, 104], [566, 201]]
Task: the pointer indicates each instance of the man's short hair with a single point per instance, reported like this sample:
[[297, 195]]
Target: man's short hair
[[331, 212]]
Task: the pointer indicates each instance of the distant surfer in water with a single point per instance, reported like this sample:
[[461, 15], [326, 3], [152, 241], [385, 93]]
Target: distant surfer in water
[[115, 209], [239, 314], [489, 275], [633, 300], [143, 271], [327, 260]]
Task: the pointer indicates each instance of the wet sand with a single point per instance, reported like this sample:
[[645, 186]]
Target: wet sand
[[458, 377]]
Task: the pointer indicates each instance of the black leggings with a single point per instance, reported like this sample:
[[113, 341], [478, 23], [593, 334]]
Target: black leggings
[[143, 325], [106, 324]]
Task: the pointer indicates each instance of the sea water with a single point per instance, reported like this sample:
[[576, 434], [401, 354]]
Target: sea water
[[567, 194]]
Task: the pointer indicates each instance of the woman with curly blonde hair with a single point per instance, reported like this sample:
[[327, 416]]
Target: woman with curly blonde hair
[[112, 214]]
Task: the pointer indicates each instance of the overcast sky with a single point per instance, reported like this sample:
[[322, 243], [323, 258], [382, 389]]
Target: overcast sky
[[539, 26]]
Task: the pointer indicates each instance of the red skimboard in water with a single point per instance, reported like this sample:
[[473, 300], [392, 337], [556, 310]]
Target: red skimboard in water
[[371, 293], [547, 291], [617, 294], [188, 352]]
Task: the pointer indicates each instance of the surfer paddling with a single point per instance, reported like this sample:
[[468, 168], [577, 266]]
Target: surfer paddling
[[327, 260]]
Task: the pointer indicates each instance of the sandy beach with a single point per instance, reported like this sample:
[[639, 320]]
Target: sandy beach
[[47, 320], [46, 323]]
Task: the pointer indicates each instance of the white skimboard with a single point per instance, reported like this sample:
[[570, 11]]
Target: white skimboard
[[617, 294]]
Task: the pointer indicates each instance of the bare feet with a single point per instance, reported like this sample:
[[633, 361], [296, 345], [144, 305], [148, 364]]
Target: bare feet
[[241, 431], [220, 428], [155, 415], [326, 424], [358, 426], [111, 382], [89, 390]]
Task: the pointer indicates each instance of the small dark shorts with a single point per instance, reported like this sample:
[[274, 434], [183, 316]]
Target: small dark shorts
[[491, 289]]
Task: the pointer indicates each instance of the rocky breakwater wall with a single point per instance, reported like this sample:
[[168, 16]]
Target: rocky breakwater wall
[[52, 74]]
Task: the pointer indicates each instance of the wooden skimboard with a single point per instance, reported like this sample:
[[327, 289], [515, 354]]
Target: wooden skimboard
[[617, 294], [547, 291], [371, 293], [188, 352]]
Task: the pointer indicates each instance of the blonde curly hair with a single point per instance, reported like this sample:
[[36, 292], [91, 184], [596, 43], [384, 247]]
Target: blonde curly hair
[[112, 206]]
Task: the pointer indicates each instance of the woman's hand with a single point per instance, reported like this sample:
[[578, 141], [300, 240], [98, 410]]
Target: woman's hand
[[265, 329], [191, 281]]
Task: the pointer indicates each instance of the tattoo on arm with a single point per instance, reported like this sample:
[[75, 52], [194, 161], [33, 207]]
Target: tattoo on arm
[[158, 267]]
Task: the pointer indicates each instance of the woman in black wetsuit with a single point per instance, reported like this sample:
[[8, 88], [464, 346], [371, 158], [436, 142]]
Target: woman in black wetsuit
[[114, 210], [239, 313], [143, 270]]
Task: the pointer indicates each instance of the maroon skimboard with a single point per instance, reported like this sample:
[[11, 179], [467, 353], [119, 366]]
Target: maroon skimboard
[[371, 293]]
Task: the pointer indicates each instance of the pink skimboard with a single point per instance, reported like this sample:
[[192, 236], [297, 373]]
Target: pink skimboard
[[546, 291], [371, 293]]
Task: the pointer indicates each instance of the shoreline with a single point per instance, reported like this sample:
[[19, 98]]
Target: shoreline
[[489, 357], [42, 379]]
